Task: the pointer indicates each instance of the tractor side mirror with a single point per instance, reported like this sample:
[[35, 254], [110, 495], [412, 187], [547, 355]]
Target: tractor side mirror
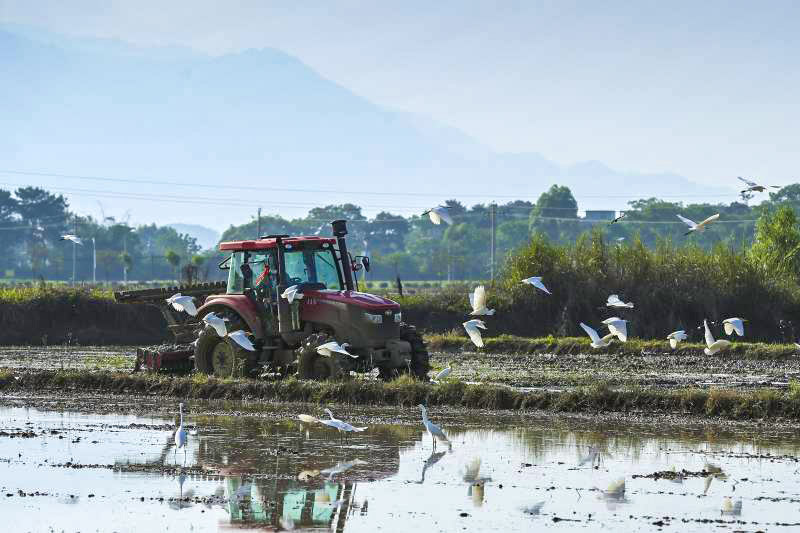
[[365, 262]]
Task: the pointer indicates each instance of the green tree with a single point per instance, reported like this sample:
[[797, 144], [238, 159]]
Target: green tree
[[777, 242], [127, 263], [556, 202], [174, 260]]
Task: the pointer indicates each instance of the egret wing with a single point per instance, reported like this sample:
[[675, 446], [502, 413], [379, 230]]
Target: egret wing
[[747, 182], [474, 334], [709, 220], [479, 298], [537, 282], [591, 332], [241, 338], [690, 223], [444, 215], [673, 342], [709, 336]]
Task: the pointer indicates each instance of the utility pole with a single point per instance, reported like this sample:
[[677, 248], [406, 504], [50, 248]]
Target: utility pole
[[258, 225], [74, 248], [94, 262], [124, 255], [493, 221]]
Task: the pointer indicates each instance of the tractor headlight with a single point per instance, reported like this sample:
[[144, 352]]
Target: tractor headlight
[[375, 319], [398, 317]]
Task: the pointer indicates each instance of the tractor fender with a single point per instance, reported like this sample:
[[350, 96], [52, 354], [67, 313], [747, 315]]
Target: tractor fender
[[238, 303]]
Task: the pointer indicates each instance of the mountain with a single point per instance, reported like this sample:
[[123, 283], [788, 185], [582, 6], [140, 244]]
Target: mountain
[[206, 237], [259, 118]]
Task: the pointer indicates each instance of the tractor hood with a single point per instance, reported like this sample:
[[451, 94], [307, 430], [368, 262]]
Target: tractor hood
[[368, 302]]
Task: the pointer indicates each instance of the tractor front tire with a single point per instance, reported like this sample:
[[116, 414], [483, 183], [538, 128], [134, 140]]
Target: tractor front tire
[[221, 356], [312, 365]]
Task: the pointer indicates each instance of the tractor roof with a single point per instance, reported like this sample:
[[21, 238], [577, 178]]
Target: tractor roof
[[267, 243]]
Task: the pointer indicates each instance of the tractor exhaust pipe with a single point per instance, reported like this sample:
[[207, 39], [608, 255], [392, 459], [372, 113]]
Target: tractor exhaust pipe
[[339, 231]]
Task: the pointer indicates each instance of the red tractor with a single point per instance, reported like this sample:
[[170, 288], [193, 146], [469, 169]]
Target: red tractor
[[286, 334]]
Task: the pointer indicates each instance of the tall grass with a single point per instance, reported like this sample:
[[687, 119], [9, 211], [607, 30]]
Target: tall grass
[[47, 292]]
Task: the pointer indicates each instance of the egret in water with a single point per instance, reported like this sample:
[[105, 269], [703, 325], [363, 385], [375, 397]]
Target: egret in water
[[332, 347], [616, 490], [292, 293], [216, 322], [182, 304], [477, 299], [240, 337], [699, 228], [597, 342], [614, 301], [618, 327], [536, 282], [180, 434], [438, 214], [731, 507], [714, 346], [675, 337], [442, 374], [434, 431], [755, 187], [342, 427], [72, 238], [472, 328], [340, 467], [734, 324]]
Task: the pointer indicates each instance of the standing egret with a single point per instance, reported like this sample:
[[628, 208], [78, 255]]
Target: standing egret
[[536, 282], [442, 374], [755, 187], [180, 435], [693, 226], [471, 326], [618, 327], [734, 324], [597, 342], [438, 214], [216, 322], [434, 431], [292, 293], [714, 346], [72, 238], [675, 337], [182, 304], [477, 299], [614, 301], [240, 337], [330, 348]]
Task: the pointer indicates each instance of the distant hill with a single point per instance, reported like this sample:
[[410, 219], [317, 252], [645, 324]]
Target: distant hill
[[256, 118], [206, 237]]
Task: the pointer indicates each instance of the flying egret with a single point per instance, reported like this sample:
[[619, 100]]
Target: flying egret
[[755, 187], [216, 322], [693, 226], [442, 373], [536, 282], [182, 304], [72, 238], [620, 239], [597, 342], [180, 434], [714, 346], [620, 217], [434, 431], [734, 324], [292, 293], [731, 507], [240, 337], [438, 214], [472, 328], [618, 327], [477, 299], [707, 483], [342, 427], [614, 301], [675, 337], [332, 347]]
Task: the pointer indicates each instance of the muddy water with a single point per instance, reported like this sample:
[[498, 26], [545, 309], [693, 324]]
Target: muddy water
[[84, 472]]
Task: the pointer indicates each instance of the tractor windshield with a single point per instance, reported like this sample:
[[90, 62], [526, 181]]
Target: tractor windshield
[[317, 265]]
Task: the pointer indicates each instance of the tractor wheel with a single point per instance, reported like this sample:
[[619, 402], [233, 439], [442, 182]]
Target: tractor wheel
[[312, 365], [221, 356], [420, 359]]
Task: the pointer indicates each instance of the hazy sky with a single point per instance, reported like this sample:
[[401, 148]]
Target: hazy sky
[[705, 89]]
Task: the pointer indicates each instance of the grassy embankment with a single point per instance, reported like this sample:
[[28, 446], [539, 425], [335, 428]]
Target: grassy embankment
[[737, 405]]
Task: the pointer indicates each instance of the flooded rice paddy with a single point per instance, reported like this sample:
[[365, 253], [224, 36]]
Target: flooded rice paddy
[[66, 469]]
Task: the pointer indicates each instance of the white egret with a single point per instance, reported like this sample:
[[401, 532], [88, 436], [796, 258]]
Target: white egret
[[797, 345], [332, 347], [731, 507], [308, 419], [707, 484], [240, 337], [693, 226], [734, 324], [472, 470], [292, 293], [72, 238], [714, 346], [477, 299], [755, 187], [216, 322], [180, 434], [618, 327], [616, 489], [438, 214], [597, 342], [305, 475], [472, 328], [183, 304], [675, 337], [342, 427], [536, 282], [620, 217], [534, 509], [434, 431], [614, 301], [592, 456], [620, 239], [442, 374]]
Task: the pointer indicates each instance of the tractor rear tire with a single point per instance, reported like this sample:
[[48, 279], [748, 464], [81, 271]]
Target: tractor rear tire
[[420, 358], [222, 357], [312, 365]]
